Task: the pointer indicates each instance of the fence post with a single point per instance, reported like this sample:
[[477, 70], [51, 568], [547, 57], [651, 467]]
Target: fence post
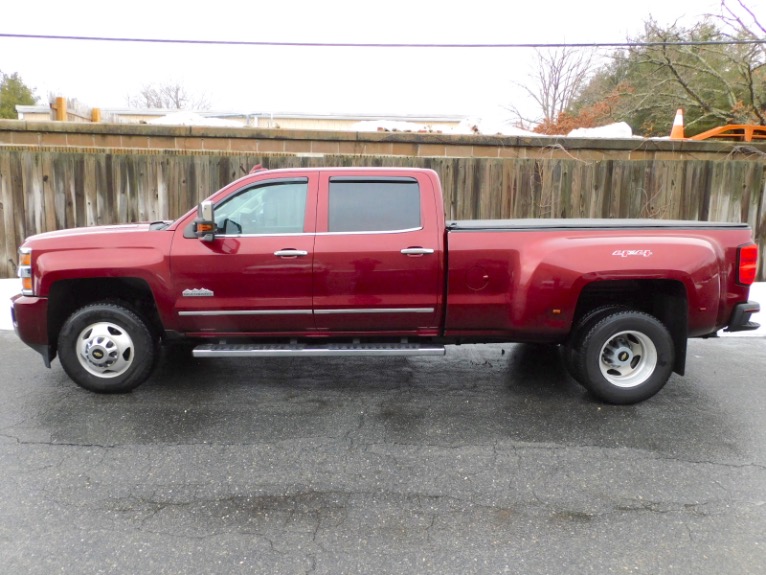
[[60, 107]]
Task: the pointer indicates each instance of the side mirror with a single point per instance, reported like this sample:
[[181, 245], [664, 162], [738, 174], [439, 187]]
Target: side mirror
[[204, 225]]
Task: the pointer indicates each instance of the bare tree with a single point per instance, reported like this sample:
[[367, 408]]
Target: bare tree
[[715, 83], [172, 96], [743, 21], [558, 77], [739, 22]]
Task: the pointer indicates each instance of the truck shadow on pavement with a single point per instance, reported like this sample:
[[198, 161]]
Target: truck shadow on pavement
[[478, 394]]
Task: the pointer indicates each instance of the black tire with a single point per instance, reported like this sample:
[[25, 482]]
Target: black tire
[[107, 348], [626, 357], [577, 336]]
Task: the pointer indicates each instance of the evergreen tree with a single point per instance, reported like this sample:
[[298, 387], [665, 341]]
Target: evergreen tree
[[14, 92]]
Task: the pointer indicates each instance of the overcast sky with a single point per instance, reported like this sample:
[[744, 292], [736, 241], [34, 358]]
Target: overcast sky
[[476, 82]]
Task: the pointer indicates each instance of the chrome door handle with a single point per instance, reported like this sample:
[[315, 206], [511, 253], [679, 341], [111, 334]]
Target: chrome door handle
[[289, 253], [417, 251]]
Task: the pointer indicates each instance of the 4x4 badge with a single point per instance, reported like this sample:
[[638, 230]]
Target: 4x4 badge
[[627, 253]]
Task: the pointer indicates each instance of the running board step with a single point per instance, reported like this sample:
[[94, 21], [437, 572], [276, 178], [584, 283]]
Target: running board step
[[306, 350]]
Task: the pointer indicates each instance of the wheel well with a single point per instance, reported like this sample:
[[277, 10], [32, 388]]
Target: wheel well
[[664, 299], [66, 296]]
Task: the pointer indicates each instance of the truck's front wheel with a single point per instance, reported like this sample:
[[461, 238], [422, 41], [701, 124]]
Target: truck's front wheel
[[107, 348], [626, 357]]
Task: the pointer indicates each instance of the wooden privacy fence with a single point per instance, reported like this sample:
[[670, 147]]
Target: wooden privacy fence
[[48, 190]]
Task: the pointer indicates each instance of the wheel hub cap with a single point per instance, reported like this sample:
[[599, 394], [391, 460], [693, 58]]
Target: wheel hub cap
[[628, 359], [619, 354], [105, 349], [100, 352]]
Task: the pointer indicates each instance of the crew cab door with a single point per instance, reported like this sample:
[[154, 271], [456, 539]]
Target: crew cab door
[[255, 276], [377, 255]]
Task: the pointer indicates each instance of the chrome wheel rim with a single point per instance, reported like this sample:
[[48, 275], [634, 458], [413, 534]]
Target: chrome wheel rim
[[628, 359], [105, 349]]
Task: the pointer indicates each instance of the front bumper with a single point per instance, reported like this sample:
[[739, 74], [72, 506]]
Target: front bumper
[[30, 322], [740, 317]]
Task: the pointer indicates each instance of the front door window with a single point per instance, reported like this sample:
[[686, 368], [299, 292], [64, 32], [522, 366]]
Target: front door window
[[277, 208]]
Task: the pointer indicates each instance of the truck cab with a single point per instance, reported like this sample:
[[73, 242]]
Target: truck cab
[[314, 254]]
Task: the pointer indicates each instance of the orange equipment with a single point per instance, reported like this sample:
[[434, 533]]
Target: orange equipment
[[740, 132]]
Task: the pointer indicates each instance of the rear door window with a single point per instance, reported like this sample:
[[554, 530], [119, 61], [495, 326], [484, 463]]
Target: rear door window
[[373, 205]]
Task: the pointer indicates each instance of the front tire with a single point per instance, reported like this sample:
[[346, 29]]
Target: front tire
[[107, 348], [626, 357]]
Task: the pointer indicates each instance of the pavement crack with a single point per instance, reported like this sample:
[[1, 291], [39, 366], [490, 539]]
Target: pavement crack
[[430, 528], [52, 443]]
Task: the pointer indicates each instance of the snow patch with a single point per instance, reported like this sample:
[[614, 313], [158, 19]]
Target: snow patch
[[618, 130], [184, 118]]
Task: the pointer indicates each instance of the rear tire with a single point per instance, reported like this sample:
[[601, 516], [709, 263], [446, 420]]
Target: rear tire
[[574, 346], [626, 357], [107, 348]]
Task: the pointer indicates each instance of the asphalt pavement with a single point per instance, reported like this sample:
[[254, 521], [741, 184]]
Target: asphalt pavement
[[491, 460]]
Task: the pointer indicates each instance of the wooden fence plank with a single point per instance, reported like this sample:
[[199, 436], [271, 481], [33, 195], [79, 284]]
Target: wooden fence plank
[[17, 200], [34, 207], [9, 260]]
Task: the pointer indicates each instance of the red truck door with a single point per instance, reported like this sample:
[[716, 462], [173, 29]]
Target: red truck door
[[256, 275], [377, 255]]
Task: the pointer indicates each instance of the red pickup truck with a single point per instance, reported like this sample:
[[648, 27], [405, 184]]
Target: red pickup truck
[[360, 261]]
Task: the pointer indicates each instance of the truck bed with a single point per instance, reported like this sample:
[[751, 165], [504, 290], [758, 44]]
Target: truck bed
[[586, 224]]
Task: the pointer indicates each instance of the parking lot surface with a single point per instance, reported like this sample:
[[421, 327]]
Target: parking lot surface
[[489, 461]]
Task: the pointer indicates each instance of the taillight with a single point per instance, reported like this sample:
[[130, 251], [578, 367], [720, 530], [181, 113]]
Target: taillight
[[747, 262], [25, 270]]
